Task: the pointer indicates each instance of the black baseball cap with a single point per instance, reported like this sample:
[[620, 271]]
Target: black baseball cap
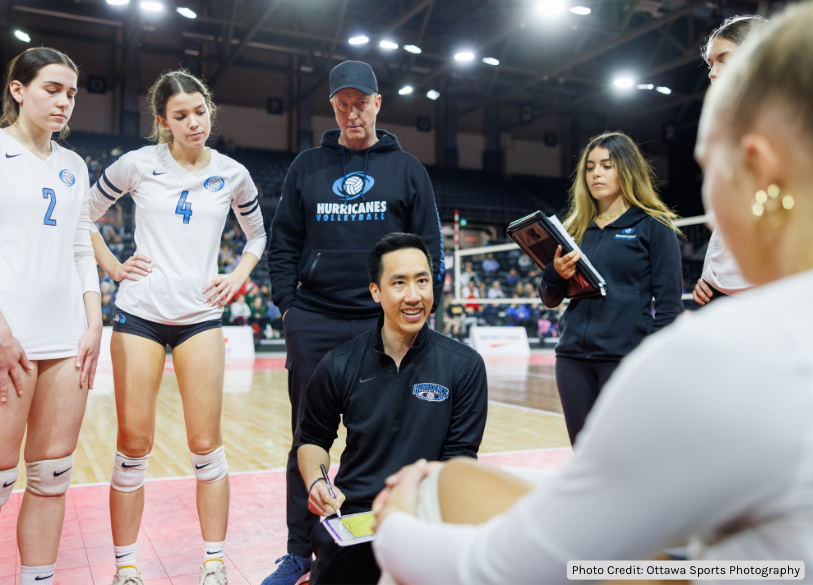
[[353, 75]]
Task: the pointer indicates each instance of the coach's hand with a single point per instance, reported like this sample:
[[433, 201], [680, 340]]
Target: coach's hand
[[320, 502], [133, 266], [702, 293], [566, 265], [11, 354], [222, 288]]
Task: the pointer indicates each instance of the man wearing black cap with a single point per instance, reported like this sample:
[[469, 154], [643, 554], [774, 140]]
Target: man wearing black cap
[[338, 200]]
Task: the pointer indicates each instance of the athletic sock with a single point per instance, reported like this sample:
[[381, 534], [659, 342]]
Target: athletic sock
[[125, 555], [38, 575], [213, 551]]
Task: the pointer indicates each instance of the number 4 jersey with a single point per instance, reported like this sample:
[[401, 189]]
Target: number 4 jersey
[[46, 260], [180, 217]]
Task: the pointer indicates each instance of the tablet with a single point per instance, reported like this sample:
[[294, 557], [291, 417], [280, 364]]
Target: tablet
[[351, 529]]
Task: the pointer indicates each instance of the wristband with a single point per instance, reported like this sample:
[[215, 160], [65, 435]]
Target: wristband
[[315, 481]]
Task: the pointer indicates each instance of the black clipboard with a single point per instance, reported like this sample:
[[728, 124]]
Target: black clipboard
[[539, 237]]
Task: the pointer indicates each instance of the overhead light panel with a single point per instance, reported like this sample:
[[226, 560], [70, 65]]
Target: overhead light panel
[[412, 49], [464, 56], [581, 10], [432, 94], [645, 86], [624, 82], [118, 2], [388, 45], [491, 61], [359, 40], [186, 12], [406, 90], [551, 7], [663, 90], [22, 36], [152, 6]]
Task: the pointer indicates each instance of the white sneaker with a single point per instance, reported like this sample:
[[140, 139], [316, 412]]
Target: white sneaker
[[214, 574], [128, 576]]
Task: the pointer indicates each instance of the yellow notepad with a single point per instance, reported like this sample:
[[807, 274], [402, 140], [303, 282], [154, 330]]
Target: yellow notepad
[[359, 524]]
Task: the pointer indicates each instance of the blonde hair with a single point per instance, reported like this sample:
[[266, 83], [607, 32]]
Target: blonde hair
[[773, 67], [169, 84], [634, 175], [24, 68]]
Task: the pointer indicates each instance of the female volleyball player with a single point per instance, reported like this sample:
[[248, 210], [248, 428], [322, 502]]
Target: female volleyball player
[[624, 228], [173, 296], [721, 276], [704, 433], [50, 310]]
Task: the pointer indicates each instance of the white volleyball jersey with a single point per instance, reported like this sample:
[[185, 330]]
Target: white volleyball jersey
[[179, 223], [46, 259]]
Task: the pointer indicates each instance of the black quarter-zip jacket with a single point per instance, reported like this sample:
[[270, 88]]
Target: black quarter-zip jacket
[[433, 406], [639, 257], [336, 204]]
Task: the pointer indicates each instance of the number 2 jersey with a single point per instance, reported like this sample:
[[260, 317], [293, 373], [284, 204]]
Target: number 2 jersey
[[46, 259], [180, 217]]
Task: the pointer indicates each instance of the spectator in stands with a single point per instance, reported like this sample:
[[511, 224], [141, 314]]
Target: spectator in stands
[[512, 279], [453, 318], [274, 318], [524, 261], [240, 311], [339, 200], [472, 292], [626, 231], [108, 309], [528, 291], [490, 265], [495, 292], [258, 310], [468, 275], [491, 314]]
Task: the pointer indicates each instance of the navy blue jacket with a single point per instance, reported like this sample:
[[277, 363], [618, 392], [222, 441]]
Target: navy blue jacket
[[639, 257], [433, 406], [336, 204]]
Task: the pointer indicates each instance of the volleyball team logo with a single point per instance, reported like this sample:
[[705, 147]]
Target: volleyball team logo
[[214, 183], [353, 185], [67, 177], [431, 392]]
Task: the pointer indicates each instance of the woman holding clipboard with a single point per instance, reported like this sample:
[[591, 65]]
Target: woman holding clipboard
[[620, 223]]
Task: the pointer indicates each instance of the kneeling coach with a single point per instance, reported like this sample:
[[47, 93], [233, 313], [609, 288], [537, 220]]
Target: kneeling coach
[[403, 391]]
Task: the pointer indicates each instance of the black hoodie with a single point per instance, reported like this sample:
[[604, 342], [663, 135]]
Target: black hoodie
[[336, 204]]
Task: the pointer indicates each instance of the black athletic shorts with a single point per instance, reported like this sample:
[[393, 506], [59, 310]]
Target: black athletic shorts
[[171, 335]]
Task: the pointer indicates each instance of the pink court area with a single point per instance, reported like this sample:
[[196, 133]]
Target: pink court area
[[170, 544]]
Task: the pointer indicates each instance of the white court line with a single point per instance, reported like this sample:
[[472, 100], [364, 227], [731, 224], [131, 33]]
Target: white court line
[[527, 408], [545, 376]]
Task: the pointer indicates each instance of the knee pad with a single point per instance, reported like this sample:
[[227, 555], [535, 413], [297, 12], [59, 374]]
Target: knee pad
[[8, 477], [211, 467], [49, 478], [128, 472]]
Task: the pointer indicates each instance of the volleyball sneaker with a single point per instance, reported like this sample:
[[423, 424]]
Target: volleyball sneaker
[[293, 570], [127, 576], [213, 573]]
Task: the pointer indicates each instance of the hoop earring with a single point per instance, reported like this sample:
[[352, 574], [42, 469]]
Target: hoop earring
[[771, 208]]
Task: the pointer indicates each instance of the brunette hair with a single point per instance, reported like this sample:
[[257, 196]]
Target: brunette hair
[[169, 84], [24, 68], [735, 29], [634, 175]]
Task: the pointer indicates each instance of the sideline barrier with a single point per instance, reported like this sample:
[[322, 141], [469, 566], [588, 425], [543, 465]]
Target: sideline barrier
[[499, 341]]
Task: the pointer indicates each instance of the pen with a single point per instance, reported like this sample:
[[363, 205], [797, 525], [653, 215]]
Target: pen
[[330, 488]]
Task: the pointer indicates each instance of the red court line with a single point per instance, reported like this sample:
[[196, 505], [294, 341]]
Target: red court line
[[170, 547]]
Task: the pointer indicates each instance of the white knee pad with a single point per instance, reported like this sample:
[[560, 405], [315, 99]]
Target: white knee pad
[[128, 472], [8, 477], [49, 478], [211, 467]]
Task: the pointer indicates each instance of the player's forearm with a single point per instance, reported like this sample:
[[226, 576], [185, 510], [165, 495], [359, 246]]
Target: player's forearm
[[104, 256], [310, 457], [247, 263], [93, 309]]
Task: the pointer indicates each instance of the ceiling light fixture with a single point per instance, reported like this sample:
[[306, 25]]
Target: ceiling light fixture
[[624, 82], [360, 40], [464, 56], [551, 7], [22, 36], [118, 2], [152, 6], [581, 10], [412, 49], [491, 61], [432, 94], [388, 45], [645, 86], [663, 90], [186, 12], [406, 90]]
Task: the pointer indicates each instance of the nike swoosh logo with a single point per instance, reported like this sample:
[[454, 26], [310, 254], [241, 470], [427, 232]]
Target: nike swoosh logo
[[201, 466], [11, 155], [154, 173], [43, 578], [5, 485], [128, 466], [367, 380], [61, 472], [122, 556], [208, 552]]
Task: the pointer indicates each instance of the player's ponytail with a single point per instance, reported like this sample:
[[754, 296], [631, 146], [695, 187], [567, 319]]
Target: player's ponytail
[[169, 84], [24, 68]]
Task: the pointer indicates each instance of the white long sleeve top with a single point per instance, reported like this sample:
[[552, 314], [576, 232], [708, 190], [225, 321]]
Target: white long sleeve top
[[720, 269], [704, 434]]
